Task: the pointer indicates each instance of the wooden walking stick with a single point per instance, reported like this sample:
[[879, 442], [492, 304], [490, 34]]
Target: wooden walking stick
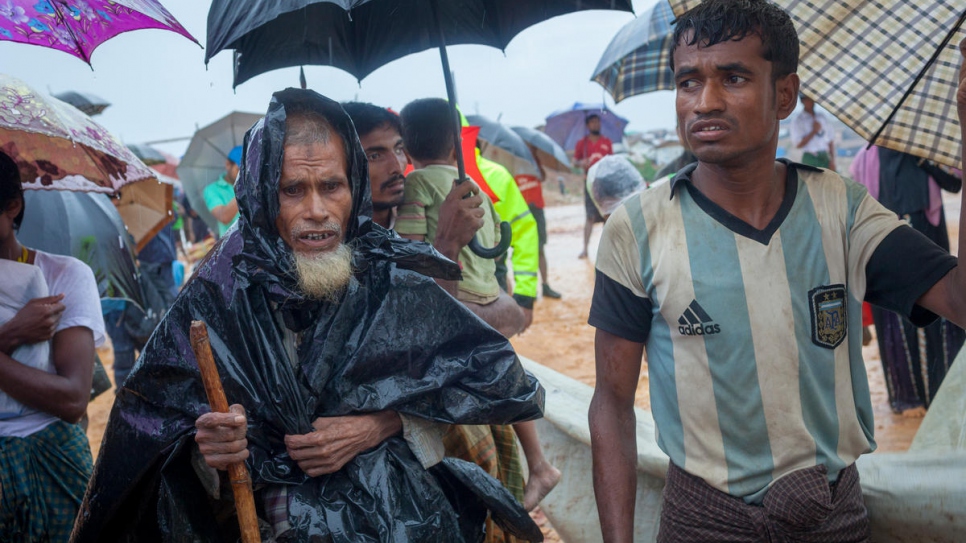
[[241, 482]]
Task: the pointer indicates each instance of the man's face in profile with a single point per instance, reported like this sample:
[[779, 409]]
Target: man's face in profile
[[387, 165]]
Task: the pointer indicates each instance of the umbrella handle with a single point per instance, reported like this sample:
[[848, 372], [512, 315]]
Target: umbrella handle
[[505, 236]]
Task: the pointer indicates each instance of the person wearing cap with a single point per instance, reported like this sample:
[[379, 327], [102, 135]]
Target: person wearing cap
[[220, 195]]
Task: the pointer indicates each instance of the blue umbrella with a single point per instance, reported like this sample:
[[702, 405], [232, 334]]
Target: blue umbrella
[[568, 126], [638, 58]]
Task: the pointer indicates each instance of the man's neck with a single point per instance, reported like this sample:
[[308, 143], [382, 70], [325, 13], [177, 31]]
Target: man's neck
[[593, 137], [420, 164], [751, 191], [10, 249], [382, 216]]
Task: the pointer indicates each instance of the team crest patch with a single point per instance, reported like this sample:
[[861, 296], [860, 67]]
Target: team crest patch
[[829, 325]]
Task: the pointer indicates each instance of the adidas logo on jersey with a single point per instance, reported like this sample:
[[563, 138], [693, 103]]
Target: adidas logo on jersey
[[695, 321]]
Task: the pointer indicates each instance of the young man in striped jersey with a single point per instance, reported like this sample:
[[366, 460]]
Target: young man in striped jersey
[[743, 279]]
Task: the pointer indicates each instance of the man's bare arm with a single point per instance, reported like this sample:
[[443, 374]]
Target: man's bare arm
[[613, 434], [224, 214], [505, 315], [63, 394], [948, 296]]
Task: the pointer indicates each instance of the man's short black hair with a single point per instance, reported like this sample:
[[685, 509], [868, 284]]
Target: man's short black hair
[[11, 188], [591, 117], [428, 129], [368, 117], [717, 21]]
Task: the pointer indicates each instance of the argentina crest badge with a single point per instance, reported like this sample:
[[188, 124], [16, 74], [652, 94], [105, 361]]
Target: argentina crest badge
[[829, 323]]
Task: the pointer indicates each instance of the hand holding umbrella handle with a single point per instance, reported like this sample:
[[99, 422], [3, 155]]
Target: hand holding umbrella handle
[[241, 483], [493, 252]]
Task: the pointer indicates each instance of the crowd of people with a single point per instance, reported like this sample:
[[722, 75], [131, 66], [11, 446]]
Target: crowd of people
[[364, 345]]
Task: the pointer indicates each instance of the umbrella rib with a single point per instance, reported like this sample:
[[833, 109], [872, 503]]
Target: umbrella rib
[[63, 21], [919, 77]]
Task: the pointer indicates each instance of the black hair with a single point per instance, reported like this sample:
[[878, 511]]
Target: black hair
[[368, 117], [717, 21], [591, 116], [428, 130], [11, 188]]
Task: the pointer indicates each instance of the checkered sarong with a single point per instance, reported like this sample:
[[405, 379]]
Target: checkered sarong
[[42, 480], [494, 449], [800, 507], [879, 64]]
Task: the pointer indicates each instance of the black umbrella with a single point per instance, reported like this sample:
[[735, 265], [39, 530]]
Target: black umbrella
[[359, 36], [84, 101], [84, 225]]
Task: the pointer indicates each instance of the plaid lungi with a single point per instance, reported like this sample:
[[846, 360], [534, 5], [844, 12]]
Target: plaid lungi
[[42, 482], [494, 449], [799, 507]]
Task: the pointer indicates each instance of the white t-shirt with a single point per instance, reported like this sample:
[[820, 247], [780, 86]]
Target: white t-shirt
[[68, 276], [802, 126]]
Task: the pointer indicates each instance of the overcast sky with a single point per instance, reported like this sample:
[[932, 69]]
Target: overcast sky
[[159, 87]]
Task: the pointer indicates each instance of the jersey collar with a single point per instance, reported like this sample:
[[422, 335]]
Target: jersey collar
[[684, 174]]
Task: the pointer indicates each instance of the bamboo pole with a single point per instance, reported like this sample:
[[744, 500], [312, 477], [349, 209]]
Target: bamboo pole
[[241, 483]]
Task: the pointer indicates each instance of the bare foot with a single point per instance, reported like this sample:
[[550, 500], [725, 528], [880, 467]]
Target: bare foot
[[543, 478], [582, 255], [914, 412]]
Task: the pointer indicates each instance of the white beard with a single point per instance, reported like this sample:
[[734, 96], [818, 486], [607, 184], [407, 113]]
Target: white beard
[[325, 275]]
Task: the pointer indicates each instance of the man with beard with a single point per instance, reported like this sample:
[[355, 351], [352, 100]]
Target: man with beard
[[317, 317]]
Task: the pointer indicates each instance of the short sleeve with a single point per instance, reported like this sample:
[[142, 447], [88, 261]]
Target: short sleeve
[[579, 153], [620, 303], [214, 197], [76, 282], [903, 267], [417, 197]]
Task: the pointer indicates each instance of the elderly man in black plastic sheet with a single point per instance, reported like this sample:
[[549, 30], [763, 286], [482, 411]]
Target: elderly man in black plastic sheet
[[324, 325]]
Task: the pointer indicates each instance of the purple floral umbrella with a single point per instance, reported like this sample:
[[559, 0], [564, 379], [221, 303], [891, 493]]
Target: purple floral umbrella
[[56, 146], [79, 26]]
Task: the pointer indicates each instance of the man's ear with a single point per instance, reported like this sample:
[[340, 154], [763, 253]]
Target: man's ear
[[786, 94], [14, 207]]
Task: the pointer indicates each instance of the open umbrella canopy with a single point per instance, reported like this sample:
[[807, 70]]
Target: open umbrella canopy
[[638, 58], [359, 36], [889, 70], [568, 126], [84, 101], [204, 161], [547, 152], [146, 207], [88, 228], [148, 155], [55, 145], [504, 146], [77, 27]]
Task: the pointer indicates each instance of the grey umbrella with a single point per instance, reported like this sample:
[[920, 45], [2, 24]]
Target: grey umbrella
[[148, 155], [500, 144], [204, 161], [548, 152], [84, 101]]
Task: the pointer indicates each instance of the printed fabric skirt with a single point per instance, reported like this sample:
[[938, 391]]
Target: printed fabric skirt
[[42, 482]]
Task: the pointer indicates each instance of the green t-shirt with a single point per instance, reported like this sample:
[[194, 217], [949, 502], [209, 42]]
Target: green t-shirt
[[218, 194], [419, 214]]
